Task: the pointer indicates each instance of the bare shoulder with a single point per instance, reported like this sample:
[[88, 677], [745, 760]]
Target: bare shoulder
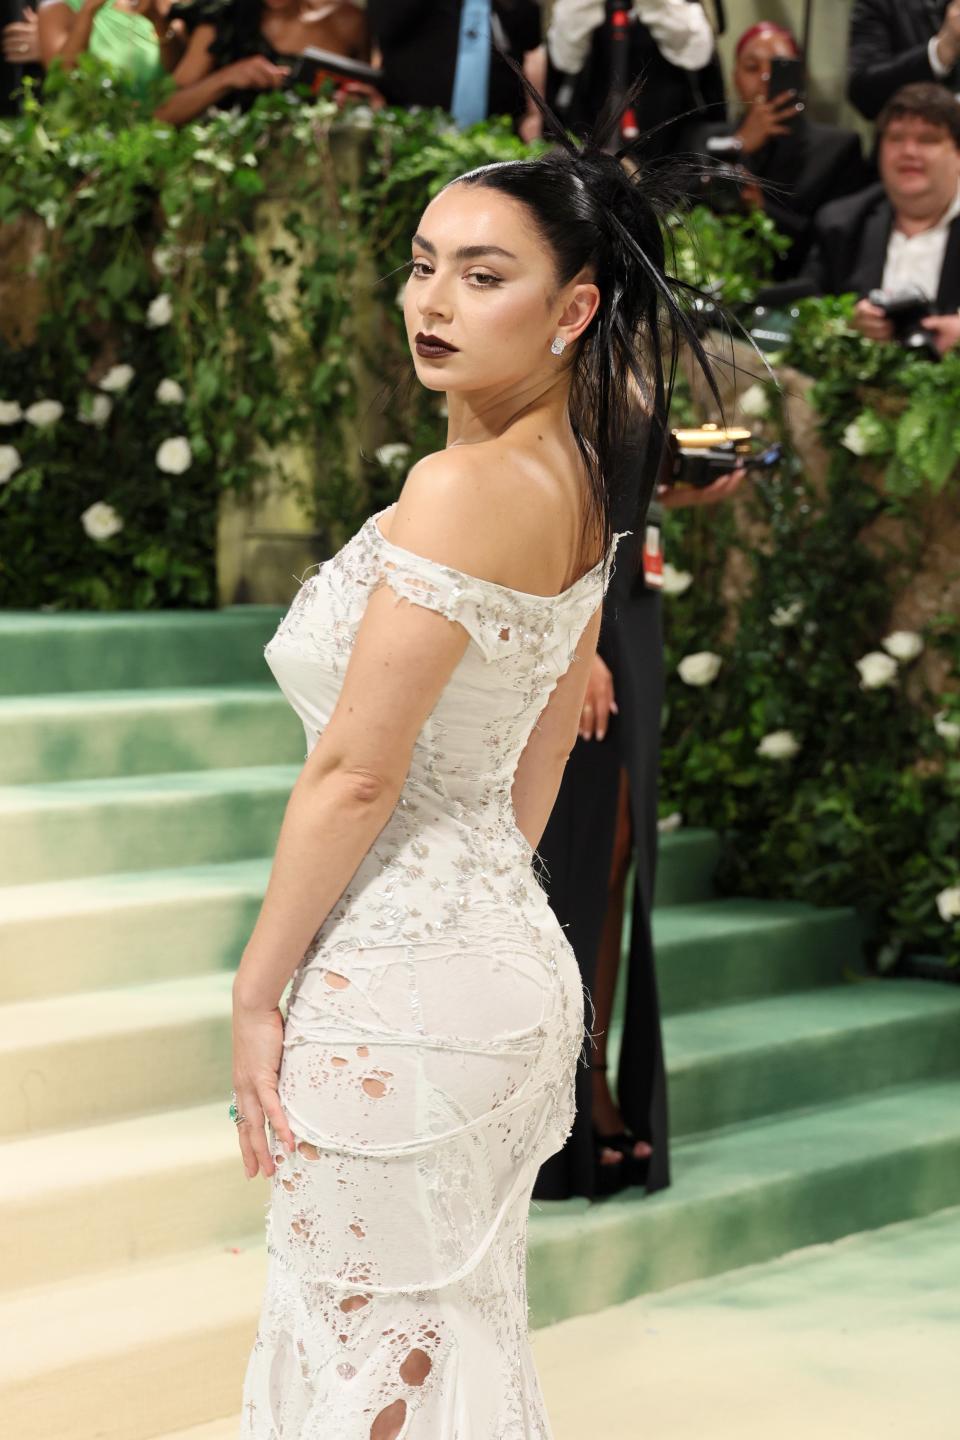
[[479, 509]]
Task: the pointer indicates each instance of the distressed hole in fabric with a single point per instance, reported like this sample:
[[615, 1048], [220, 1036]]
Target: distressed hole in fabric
[[363, 1050], [358, 1230], [335, 981], [354, 1302], [339, 1060], [345, 1370], [288, 1184], [505, 633], [415, 1367], [389, 1422], [311, 1151], [374, 1088]]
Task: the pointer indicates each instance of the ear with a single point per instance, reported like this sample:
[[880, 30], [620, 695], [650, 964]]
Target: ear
[[582, 303]]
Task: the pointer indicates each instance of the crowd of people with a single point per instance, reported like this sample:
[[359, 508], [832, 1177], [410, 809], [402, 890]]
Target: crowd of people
[[881, 221]]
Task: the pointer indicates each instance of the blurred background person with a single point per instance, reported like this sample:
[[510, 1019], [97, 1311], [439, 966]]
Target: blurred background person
[[19, 51], [902, 235], [901, 42], [135, 37], [670, 42], [605, 816], [804, 164], [240, 48], [440, 52]]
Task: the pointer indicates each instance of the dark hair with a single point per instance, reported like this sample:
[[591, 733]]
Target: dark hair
[[930, 102], [595, 215]]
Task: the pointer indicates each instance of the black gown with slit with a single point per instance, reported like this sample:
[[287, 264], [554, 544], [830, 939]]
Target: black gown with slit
[[577, 850]]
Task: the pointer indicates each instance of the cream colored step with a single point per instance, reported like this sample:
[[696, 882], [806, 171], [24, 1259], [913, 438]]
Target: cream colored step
[[91, 1199], [82, 1059], [134, 1352]]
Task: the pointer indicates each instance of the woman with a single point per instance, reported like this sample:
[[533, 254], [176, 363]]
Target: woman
[[134, 36], [425, 1065], [240, 48], [801, 163], [606, 815]]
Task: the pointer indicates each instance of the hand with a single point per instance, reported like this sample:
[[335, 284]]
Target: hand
[[21, 40], [598, 703], [256, 72], [948, 38], [530, 127], [945, 330], [257, 1052], [766, 119], [360, 90], [871, 321], [680, 497], [752, 195]]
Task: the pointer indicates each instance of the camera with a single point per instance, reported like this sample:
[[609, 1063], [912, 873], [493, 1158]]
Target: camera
[[701, 454], [905, 309]]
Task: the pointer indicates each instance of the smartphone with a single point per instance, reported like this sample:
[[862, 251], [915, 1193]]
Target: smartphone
[[787, 73]]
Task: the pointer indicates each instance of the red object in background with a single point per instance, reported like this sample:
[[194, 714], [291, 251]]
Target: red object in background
[[620, 66], [653, 558]]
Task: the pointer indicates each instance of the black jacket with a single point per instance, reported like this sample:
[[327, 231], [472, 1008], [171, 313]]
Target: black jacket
[[419, 39], [888, 49], [806, 170], [850, 252]]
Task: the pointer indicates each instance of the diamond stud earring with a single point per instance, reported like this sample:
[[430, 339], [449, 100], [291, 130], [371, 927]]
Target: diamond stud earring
[[558, 346]]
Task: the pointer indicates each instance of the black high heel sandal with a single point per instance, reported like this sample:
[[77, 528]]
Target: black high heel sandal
[[632, 1169]]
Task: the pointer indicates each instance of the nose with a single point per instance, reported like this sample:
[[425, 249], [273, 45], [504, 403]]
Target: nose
[[433, 297]]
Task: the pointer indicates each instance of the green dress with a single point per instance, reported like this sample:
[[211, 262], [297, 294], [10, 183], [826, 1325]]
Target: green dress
[[127, 42]]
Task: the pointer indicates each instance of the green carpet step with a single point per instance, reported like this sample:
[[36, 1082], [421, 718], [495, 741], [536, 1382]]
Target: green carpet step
[[748, 1193], [46, 654], [141, 822], [736, 1062], [47, 738], [82, 1059], [160, 1345], [727, 950], [168, 1178], [105, 931], [685, 865]]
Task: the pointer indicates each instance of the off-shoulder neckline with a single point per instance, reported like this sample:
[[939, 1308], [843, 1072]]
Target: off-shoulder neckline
[[477, 579]]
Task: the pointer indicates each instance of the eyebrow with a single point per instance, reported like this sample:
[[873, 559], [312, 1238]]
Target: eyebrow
[[466, 252]]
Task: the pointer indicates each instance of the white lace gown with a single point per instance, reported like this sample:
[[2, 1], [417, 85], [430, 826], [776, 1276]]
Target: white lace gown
[[431, 1043]]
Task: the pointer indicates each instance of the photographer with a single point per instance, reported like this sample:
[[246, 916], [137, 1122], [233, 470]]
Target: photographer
[[669, 42], [903, 235], [802, 163], [901, 42], [239, 48]]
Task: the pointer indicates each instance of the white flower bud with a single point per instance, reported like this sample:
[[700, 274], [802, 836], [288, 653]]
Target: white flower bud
[[947, 729], [174, 456], [94, 410], [779, 745], [10, 463], [669, 823], [101, 521], [159, 312], [903, 645], [10, 412], [702, 668], [390, 455], [876, 670], [43, 412], [117, 379], [754, 402], [786, 615], [170, 392], [676, 582], [948, 904]]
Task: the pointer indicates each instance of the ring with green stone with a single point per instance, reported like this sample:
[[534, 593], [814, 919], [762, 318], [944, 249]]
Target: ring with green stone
[[234, 1112]]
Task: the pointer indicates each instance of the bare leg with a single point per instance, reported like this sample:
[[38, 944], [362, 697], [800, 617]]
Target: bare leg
[[606, 1115]]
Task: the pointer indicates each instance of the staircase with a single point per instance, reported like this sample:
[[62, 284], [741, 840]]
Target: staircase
[[145, 762]]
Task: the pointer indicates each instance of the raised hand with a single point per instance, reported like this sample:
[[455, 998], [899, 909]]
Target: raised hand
[[767, 119]]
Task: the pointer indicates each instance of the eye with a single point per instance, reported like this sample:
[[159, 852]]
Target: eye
[[484, 280], [419, 272]]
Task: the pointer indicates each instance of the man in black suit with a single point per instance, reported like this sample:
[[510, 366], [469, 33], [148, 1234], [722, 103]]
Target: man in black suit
[[802, 164], [904, 233], [418, 41], [901, 42]]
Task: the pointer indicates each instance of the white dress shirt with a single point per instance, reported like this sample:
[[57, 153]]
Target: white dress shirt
[[681, 30], [936, 64], [915, 261]]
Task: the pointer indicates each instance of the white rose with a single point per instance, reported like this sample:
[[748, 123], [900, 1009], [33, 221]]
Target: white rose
[[390, 455], [101, 521], [676, 582], [779, 745], [948, 904], [117, 379], [669, 823], [164, 260], [43, 412], [903, 645], [854, 438], [876, 670], [170, 392], [10, 412], [754, 402], [701, 668], [946, 728], [175, 456], [10, 462], [94, 410], [159, 312], [786, 615]]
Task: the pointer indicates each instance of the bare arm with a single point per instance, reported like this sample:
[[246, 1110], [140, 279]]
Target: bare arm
[[64, 33], [198, 86], [540, 771]]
